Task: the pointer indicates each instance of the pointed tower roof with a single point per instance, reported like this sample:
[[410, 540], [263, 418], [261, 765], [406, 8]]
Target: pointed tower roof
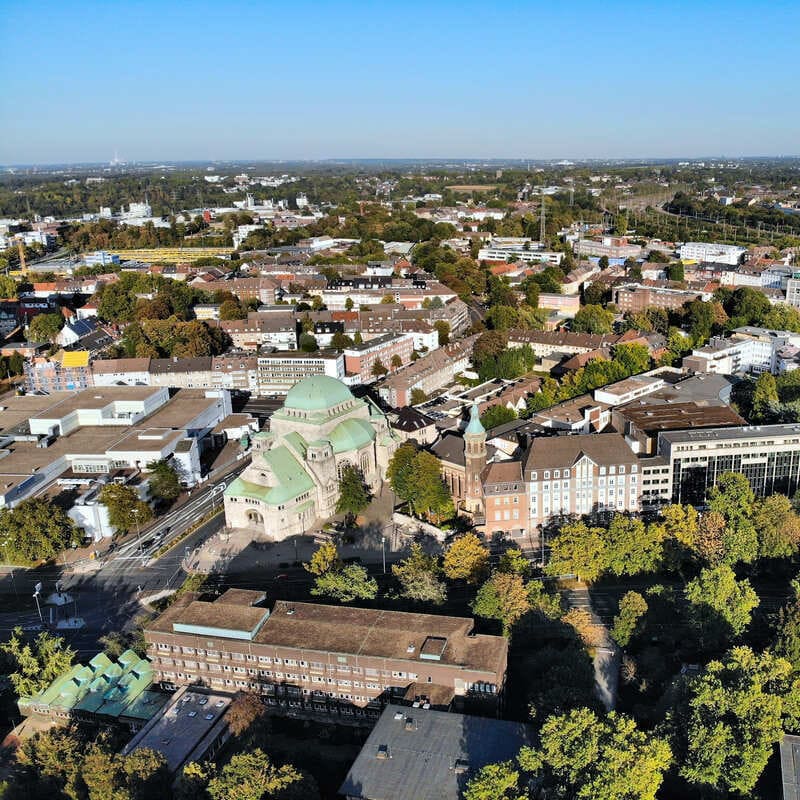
[[474, 426]]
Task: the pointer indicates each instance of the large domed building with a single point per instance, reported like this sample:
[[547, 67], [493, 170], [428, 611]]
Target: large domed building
[[293, 480]]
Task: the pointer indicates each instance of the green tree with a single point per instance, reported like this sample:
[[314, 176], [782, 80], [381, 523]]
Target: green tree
[[442, 328], [418, 575], [787, 631], [416, 478], [497, 415], [494, 782], [8, 287], [418, 396], [232, 309], [515, 562], [354, 496], [35, 665], [340, 341], [348, 304], [351, 582], [466, 558], [633, 547], [720, 605], [593, 319], [503, 597], [733, 498], [396, 362], [578, 549], [308, 343], [765, 395], [36, 529], [163, 480], [252, 776], [675, 272], [379, 368], [45, 327], [126, 512], [634, 358], [778, 527], [632, 608], [586, 757], [729, 719]]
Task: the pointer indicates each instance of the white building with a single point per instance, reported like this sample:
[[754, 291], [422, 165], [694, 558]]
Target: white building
[[708, 251], [749, 349]]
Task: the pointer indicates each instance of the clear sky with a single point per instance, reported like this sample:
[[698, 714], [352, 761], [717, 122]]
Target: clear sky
[[268, 80]]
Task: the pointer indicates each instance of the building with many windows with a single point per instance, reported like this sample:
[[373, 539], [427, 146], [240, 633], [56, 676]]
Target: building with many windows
[[322, 658]]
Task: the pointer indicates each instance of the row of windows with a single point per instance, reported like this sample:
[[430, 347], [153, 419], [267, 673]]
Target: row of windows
[[558, 473]]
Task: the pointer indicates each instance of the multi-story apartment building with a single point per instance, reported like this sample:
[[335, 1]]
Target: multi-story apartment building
[[636, 298], [361, 359], [235, 371], [278, 372], [793, 290], [322, 658], [581, 475], [188, 373], [505, 499], [544, 343], [520, 253], [749, 349], [610, 246], [708, 251], [121, 372], [429, 373], [262, 329]]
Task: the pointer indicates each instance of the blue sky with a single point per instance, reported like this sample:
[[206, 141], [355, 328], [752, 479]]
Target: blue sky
[[291, 79]]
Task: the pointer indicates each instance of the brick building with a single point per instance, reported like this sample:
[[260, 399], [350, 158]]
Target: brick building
[[360, 359], [636, 298], [321, 658]]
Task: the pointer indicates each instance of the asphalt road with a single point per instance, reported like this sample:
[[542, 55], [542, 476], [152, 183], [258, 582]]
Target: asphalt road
[[107, 595]]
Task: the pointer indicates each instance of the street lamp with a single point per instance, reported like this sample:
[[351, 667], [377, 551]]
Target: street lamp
[[38, 588], [383, 552]]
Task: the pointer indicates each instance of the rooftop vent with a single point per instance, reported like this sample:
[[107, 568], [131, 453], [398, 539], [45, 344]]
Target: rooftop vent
[[411, 648], [289, 611], [399, 715]]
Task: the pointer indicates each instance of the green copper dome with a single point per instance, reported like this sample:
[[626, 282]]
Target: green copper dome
[[351, 434], [317, 393], [475, 421]]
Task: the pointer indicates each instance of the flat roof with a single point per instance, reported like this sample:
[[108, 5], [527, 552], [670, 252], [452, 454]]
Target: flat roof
[[181, 409], [182, 731], [790, 766], [680, 416], [730, 434], [422, 754], [95, 398]]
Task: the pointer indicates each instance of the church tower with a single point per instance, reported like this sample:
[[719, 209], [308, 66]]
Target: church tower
[[474, 461]]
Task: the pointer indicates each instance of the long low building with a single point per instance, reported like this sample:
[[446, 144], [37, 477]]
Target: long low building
[[322, 658]]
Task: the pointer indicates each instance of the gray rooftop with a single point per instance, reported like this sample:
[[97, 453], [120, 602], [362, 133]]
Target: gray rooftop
[[790, 767], [743, 432], [421, 754]]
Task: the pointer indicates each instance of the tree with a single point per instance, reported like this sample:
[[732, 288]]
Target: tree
[[720, 605], [515, 562], [681, 523], [497, 415], [787, 633], [45, 327], [778, 527], [587, 757], [246, 709], [494, 782], [708, 543], [126, 512], [348, 304], [232, 309], [53, 760], [341, 340], [379, 368], [729, 719], [351, 582], [354, 496], [675, 272], [418, 396], [632, 608], [416, 478], [252, 776], [308, 343], [396, 362], [34, 530], [581, 621], [163, 480], [633, 547], [324, 559], [8, 287], [578, 549], [35, 665], [442, 328], [418, 577], [466, 558], [634, 358], [764, 395], [732, 497], [593, 319], [503, 597]]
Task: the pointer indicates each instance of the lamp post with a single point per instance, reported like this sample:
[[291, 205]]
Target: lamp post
[[383, 552], [38, 588]]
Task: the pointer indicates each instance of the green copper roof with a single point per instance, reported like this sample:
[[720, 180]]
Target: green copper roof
[[475, 421], [351, 434], [292, 479], [317, 393]]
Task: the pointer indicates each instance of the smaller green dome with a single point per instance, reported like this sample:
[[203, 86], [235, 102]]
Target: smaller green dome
[[317, 393], [351, 434]]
